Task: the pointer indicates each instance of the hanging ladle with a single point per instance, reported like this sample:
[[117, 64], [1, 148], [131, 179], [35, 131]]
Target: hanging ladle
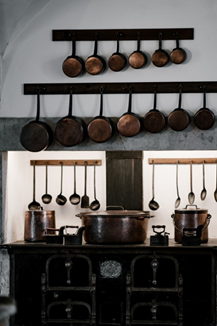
[[178, 200], [95, 203], [215, 192], [46, 198], [85, 198], [191, 195], [203, 192], [153, 205], [61, 200], [34, 205], [74, 198]]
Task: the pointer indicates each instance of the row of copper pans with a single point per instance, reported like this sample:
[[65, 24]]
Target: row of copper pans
[[74, 66], [71, 130]]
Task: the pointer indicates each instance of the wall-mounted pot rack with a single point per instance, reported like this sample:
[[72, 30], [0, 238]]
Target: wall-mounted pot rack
[[66, 162], [124, 34], [182, 160], [115, 88]]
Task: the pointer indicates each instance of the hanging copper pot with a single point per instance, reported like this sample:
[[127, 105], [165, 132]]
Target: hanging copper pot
[[95, 64], [73, 66], [154, 121], [100, 129], [204, 118], [179, 118], [137, 59], [129, 124], [117, 61], [160, 57], [178, 55]]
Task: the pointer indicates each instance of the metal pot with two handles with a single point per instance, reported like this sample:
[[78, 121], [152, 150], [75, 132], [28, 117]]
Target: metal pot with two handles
[[191, 218], [115, 226]]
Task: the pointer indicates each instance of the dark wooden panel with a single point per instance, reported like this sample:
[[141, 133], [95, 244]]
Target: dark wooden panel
[[124, 180], [124, 34]]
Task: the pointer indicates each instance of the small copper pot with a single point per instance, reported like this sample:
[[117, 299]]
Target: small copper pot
[[190, 219], [36, 222]]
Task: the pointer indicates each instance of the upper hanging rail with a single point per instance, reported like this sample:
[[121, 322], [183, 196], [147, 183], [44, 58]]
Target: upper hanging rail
[[121, 88], [125, 34]]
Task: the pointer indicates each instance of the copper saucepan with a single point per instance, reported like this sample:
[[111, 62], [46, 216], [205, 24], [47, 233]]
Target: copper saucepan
[[95, 64], [178, 55], [137, 59], [100, 129], [160, 57], [73, 66], [117, 60], [179, 118], [129, 124], [154, 121], [204, 118]]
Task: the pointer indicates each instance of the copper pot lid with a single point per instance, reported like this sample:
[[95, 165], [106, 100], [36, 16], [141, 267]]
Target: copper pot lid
[[115, 213], [191, 210]]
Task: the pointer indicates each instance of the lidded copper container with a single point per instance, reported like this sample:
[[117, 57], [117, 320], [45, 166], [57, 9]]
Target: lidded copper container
[[36, 222], [191, 218]]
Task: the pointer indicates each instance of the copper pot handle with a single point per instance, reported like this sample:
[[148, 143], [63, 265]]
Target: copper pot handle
[[204, 228]]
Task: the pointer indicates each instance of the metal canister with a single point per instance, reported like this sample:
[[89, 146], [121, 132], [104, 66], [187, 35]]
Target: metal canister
[[36, 222], [190, 218]]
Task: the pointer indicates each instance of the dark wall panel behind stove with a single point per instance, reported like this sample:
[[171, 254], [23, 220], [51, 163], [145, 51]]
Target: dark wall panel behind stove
[[124, 179]]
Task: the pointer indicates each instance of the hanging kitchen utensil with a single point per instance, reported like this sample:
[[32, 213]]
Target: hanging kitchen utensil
[[153, 205], [129, 124], [117, 60], [95, 64], [70, 130], [204, 118], [215, 192], [36, 136], [178, 55], [34, 205], [178, 200], [95, 205], [46, 198], [160, 57], [100, 129], [85, 198], [137, 59], [74, 198], [204, 191], [73, 66], [61, 200], [179, 118], [191, 195], [154, 121]]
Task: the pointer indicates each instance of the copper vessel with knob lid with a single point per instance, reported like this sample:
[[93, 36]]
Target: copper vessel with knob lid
[[191, 218]]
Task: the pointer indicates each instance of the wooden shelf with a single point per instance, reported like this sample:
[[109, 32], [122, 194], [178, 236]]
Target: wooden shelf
[[66, 162], [182, 160], [124, 34], [118, 88]]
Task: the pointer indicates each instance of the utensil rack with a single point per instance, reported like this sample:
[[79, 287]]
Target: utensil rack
[[66, 162], [182, 160], [116, 88], [124, 34]]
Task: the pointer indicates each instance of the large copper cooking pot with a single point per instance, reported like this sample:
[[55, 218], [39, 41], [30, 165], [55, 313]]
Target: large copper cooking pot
[[191, 218], [36, 222], [115, 226]]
